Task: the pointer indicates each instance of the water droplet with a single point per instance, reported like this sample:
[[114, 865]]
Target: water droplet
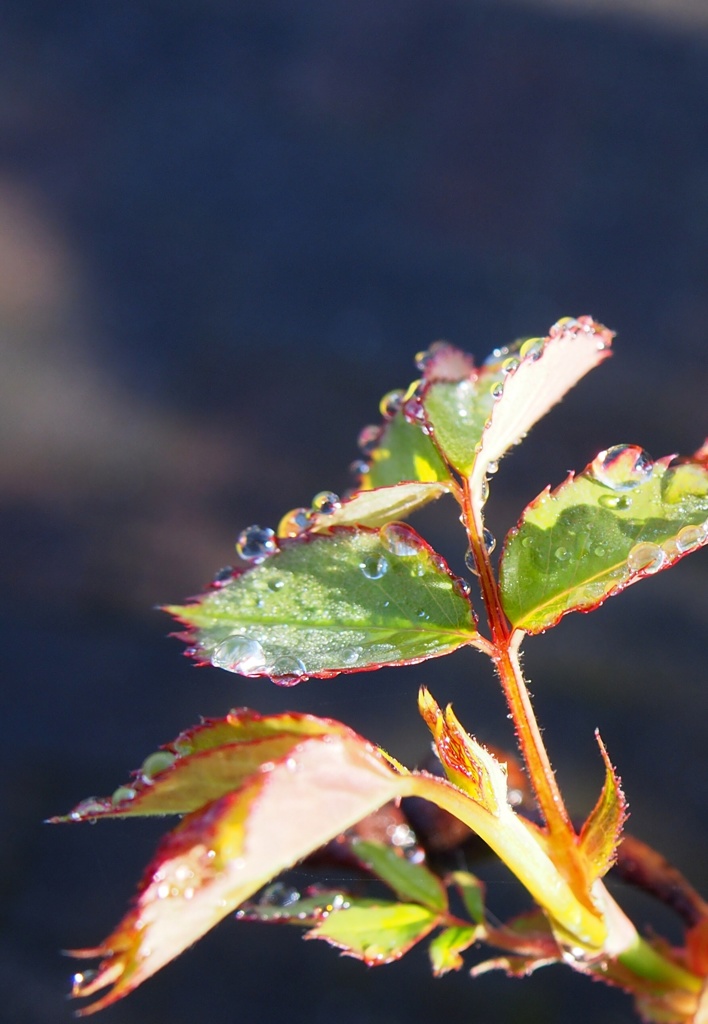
[[646, 557], [600, 551], [422, 614], [239, 654], [509, 366], [562, 325], [462, 588], [623, 467], [400, 540], [350, 655], [401, 835], [562, 554], [294, 522], [391, 403], [80, 980], [489, 541], [690, 537], [532, 349], [287, 671], [369, 438], [374, 568], [413, 411], [326, 503], [122, 794], [470, 561], [154, 764], [359, 468], [620, 502], [528, 542], [278, 895], [492, 467], [275, 584], [496, 391], [438, 562], [223, 576], [484, 490], [255, 543], [91, 805]]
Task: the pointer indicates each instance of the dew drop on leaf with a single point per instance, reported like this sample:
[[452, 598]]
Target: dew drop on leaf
[[287, 671], [509, 366], [278, 895], [239, 654], [497, 390], [690, 537], [623, 467], [646, 557], [489, 541], [326, 503], [374, 568], [532, 349], [400, 540], [255, 543], [154, 764], [294, 522], [620, 502], [122, 794], [91, 805], [562, 554], [462, 588], [369, 438], [223, 576], [391, 403], [350, 655]]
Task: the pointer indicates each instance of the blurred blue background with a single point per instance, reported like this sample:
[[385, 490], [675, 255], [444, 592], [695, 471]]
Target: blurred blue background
[[225, 228]]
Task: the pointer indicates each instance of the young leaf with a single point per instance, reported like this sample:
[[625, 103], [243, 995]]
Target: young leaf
[[403, 453], [472, 892], [222, 854], [408, 880], [466, 763], [600, 836], [380, 505], [206, 763], [339, 602], [446, 947], [476, 419], [624, 517], [376, 932]]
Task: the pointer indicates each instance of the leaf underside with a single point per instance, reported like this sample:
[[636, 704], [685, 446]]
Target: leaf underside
[[347, 600], [619, 520]]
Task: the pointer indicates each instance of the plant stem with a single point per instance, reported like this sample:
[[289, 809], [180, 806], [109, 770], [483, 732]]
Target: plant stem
[[506, 643]]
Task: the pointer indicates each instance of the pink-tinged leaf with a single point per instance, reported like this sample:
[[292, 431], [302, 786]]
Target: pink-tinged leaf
[[465, 761], [206, 763], [545, 373], [601, 833], [623, 518], [345, 601], [376, 931], [445, 948], [475, 419], [530, 941], [380, 505], [223, 853]]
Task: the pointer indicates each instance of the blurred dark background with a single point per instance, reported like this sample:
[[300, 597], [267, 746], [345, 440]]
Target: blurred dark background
[[225, 228]]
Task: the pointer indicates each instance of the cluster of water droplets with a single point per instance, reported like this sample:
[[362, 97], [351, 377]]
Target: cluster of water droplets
[[245, 655], [569, 327]]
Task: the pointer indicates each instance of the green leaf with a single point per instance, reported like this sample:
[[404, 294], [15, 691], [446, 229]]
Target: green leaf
[[344, 601], [204, 764], [380, 505], [408, 880], [446, 947], [221, 854], [404, 453], [376, 932], [476, 419], [624, 517], [601, 834], [472, 892]]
